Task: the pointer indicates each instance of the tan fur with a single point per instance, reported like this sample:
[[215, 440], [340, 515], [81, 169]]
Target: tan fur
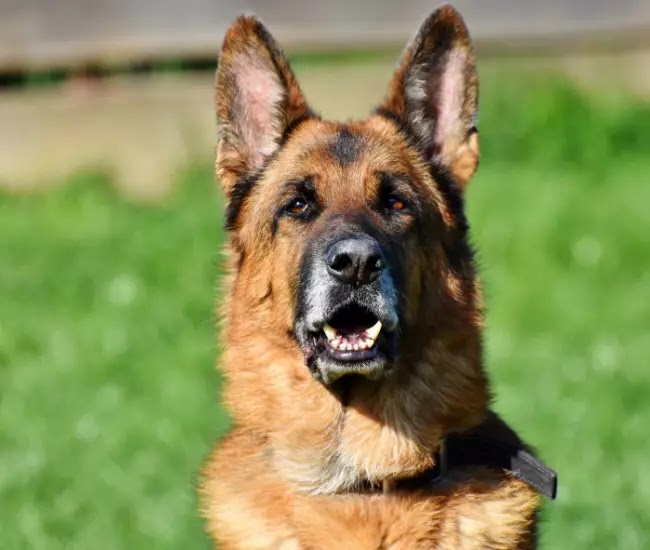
[[296, 470], [247, 507]]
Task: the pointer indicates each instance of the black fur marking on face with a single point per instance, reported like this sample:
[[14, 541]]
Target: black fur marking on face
[[242, 189], [292, 127], [452, 194], [458, 249], [346, 146], [238, 195]]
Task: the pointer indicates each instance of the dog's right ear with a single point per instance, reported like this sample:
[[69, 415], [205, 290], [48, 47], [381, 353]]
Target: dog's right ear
[[258, 99]]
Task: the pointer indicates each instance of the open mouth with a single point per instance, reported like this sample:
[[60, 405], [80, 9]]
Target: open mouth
[[351, 334]]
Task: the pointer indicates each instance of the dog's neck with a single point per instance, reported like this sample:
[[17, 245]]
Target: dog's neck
[[326, 441]]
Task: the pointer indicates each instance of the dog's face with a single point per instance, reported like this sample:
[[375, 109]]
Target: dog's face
[[351, 281], [351, 238]]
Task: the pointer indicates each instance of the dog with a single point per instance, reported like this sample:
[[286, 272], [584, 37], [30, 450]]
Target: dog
[[353, 316]]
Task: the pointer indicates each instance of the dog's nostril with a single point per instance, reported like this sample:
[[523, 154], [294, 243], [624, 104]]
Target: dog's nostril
[[342, 266], [355, 261], [340, 261], [370, 269]]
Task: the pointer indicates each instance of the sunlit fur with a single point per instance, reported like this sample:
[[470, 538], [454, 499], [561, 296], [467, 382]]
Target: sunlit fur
[[290, 473]]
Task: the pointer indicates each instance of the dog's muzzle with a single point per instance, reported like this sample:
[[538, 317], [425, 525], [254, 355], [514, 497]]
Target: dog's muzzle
[[347, 312]]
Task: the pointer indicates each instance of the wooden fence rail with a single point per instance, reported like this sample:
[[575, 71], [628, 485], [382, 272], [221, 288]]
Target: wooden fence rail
[[45, 33]]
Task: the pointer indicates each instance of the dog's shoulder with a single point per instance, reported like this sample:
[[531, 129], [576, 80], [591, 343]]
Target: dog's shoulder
[[244, 504]]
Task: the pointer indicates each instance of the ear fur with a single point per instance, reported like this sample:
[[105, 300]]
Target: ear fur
[[257, 100], [434, 94]]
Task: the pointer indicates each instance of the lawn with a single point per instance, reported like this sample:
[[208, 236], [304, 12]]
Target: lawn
[[109, 399]]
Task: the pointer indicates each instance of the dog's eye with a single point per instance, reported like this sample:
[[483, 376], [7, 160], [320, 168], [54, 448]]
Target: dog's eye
[[393, 203], [297, 207]]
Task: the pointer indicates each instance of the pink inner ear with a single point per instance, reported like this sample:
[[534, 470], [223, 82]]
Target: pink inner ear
[[259, 93], [450, 95]]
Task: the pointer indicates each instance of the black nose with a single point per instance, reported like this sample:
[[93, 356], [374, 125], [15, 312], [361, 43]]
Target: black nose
[[355, 261]]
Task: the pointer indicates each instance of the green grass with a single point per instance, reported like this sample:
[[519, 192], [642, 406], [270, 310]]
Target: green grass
[[108, 397]]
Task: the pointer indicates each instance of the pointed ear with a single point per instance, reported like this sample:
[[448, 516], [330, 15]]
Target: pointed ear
[[434, 94], [257, 97]]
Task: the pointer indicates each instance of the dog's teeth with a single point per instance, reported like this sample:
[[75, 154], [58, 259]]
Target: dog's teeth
[[330, 332], [356, 347], [335, 343], [373, 331]]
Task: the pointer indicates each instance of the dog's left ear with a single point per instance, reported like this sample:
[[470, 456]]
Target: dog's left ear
[[434, 94]]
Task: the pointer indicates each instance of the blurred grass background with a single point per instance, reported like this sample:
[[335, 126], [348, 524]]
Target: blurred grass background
[[109, 399]]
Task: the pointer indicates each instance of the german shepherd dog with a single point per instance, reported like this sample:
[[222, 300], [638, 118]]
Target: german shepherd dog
[[353, 318]]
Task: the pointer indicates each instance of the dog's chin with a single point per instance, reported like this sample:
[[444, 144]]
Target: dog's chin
[[328, 369]]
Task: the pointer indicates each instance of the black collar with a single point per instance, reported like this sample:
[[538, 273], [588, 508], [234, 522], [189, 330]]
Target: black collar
[[459, 452], [493, 445]]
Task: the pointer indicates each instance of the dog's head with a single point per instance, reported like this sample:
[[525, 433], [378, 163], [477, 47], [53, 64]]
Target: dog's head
[[350, 239]]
